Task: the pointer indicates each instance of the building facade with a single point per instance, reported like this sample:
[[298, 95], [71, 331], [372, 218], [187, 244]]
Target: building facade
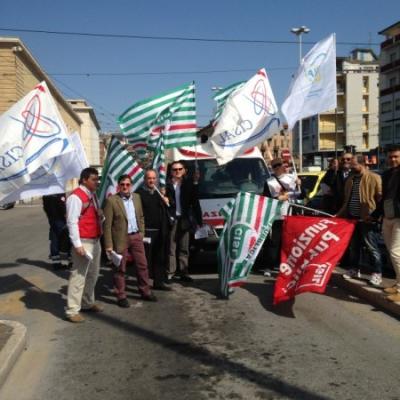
[[354, 124], [89, 130], [389, 85]]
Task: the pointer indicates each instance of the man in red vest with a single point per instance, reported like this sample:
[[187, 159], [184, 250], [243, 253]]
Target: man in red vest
[[84, 224]]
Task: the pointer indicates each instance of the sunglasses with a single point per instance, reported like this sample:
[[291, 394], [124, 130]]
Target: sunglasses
[[277, 165], [177, 169], [125, 184], [346, 159]]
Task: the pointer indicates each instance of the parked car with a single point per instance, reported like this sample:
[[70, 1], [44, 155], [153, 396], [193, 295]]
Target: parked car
[[7, 206]]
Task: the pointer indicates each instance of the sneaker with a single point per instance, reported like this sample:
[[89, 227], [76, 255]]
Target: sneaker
[[55, 258], [376, 279], [268, 273], [394, 297], [76, 318], [391, 290], [123, 303], [95, 308], [352, 273]]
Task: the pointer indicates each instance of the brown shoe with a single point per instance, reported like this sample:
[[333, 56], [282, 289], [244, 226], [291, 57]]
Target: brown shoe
[[76, 318], [391, 290], [394, 297], [94, 308]]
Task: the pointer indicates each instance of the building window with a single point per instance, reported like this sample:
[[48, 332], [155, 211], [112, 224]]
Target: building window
[[365, 104], [392, 57], [365, 142], [392, 82], [386, 133], [365, 84], [397, 105], [397, 133], [365, 123], [386, 107]]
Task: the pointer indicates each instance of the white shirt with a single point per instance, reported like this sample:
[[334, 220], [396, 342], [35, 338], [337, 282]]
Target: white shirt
[[74, 209], [289, 185], [177, 188]]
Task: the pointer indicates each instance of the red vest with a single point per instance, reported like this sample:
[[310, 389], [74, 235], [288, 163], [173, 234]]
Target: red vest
[[89, 224]]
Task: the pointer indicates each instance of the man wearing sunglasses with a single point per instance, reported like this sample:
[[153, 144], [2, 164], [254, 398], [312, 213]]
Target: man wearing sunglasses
[[123, 233], [184, 203]]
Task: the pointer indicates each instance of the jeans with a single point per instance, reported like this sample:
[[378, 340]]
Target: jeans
[[56, 227], [366, 235]]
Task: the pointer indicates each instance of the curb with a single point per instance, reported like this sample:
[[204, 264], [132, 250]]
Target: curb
[[372, 295], [13, 348]]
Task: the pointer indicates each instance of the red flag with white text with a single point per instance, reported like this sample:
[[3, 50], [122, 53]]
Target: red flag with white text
[[311, 248]]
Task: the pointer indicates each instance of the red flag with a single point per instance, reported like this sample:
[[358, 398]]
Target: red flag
[[311, 247]]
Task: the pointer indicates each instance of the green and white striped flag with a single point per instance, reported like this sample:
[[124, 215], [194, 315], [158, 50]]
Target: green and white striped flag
[[118, 162], [248, 220], [222, 95], [172, 114], [159, 162]]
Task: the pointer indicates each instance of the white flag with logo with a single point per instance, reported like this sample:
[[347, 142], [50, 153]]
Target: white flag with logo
[[313, 88], [250, 116], [52, 177], [32, 133]]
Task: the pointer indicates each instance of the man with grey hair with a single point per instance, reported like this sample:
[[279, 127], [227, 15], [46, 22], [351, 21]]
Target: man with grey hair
[[362, 193]]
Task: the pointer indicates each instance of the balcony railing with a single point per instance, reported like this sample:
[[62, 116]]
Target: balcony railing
[[390, 41], [390, 90], [390, 66]]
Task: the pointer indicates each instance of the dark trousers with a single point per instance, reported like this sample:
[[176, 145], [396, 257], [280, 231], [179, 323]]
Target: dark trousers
[[272, 246], [156, 256], [56, 228], [366, 235], [136, 250], [179, 249]]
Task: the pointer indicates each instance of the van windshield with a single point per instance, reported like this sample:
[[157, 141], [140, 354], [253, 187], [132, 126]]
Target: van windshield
[[240, 174]]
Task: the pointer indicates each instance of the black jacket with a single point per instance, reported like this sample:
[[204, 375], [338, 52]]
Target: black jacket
[[391, 189], [162, 219], [54, 207], [189, 197]]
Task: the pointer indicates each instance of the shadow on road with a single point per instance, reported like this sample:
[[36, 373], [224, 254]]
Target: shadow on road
[[38, 299], [218, 362], [62, 273]]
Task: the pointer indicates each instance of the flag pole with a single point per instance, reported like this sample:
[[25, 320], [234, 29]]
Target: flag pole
[[310, 209]]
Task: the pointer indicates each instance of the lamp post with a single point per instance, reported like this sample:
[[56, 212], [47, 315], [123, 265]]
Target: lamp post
[[299, 32]]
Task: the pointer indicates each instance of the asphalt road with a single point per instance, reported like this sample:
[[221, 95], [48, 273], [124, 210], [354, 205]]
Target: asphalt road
[[189, 345]]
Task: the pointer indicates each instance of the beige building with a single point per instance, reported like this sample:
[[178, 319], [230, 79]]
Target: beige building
[[20, 73], [89, 130], [389, 84], [354, 122]]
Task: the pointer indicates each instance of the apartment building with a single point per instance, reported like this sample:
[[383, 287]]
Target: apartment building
[[354, 123], [389, 85]]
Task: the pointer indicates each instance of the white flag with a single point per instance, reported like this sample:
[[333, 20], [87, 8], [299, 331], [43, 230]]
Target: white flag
[[32, 133], [250, 116], [52, 177], [313, 88]]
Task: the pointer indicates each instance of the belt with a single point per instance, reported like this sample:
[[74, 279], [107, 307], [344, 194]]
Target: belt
[[133, 233]]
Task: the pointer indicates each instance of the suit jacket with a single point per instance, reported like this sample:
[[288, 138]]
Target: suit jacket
[[116, 222], [190, 204]]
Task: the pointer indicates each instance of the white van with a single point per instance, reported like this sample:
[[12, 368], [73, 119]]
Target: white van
[[219, 184]]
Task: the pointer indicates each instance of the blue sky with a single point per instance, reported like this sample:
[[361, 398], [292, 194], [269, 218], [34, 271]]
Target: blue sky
[[353, 21]]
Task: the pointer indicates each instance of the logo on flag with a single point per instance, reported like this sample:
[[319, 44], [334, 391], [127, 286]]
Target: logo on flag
[[250, 116]]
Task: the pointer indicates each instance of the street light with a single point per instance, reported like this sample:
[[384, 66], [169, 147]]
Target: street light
[[299, 32]]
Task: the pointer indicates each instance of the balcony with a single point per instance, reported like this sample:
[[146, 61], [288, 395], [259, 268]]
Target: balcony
[[390, 90], [390, 41], [391, 66]]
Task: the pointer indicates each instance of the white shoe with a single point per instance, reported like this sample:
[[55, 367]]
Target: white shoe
[[352, 273], [376, 279]]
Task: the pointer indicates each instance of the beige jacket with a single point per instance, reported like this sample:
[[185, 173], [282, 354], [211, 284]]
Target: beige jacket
[[116, 222], [370, 194]]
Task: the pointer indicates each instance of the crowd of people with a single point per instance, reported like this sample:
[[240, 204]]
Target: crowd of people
[[151, 227], [354, 192]]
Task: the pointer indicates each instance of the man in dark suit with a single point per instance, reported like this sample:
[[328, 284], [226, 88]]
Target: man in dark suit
[[123, 232], [157, 224], [184, 203]]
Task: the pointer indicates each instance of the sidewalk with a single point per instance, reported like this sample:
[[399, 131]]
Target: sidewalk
[[373, 295], [12, 343]]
